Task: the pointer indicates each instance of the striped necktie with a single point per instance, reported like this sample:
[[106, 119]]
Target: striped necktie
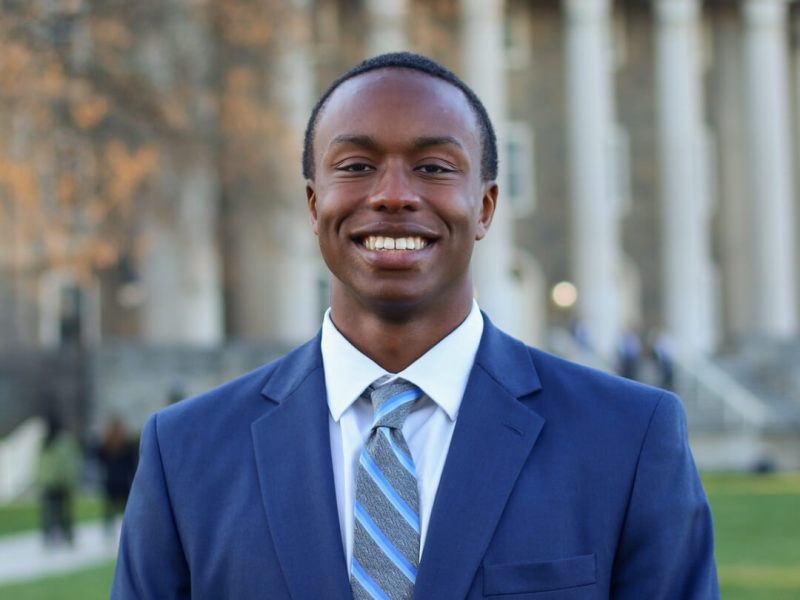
[[386, 536]]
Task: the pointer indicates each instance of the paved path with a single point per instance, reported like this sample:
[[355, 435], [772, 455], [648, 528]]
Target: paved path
[[23, 556]]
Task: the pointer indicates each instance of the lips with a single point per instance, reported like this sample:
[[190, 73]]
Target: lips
[[390, 247]]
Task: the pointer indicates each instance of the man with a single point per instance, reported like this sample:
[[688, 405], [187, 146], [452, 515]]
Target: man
[[531, 477]]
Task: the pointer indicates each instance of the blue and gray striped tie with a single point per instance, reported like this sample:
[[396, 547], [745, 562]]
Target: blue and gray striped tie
[[386, 536]]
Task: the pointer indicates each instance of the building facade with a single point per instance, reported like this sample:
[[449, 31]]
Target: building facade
[[150, 164]]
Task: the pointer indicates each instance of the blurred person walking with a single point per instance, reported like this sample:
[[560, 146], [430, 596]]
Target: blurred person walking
[[57, 479], [629, 354], [118, 455], [664, 352]]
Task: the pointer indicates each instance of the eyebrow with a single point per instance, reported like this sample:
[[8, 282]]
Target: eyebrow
[[443, 140], [366, 141]]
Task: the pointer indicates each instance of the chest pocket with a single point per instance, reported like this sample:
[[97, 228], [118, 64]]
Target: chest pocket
[[522, 578]]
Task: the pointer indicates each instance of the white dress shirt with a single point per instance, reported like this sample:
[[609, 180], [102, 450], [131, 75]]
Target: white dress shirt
[[441, 373]]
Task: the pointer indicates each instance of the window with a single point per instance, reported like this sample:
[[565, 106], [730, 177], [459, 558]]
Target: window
[[517, 36], [67, 311], [520, 188]]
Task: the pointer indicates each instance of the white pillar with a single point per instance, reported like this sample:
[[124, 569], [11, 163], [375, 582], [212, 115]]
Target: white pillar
[[498, 292], [770, 177], [181, 269], [275, 266], [795, 78], [688, 268], [388, 26], [735, 256], [295, 277], [201, 315], [595, 248]]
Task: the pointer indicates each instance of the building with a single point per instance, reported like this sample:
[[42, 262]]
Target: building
[[150, 165]]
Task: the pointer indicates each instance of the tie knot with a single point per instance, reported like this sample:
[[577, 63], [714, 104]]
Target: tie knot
[[392, 402]]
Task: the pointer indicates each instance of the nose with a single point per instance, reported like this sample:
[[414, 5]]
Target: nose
[[394, 190]]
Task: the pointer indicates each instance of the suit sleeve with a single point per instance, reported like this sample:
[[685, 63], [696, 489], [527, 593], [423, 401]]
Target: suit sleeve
[[666, 549], [151, 563]]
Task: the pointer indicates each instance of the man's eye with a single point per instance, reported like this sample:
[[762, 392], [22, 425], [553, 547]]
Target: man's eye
[[434, 169], [355, 168]]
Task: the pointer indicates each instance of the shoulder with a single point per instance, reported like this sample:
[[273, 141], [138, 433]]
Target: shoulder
[[562, 383], [236, 403], [576, 401], [606, 398], [570, 376]]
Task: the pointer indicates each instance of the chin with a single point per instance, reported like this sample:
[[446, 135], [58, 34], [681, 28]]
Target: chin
[[396, 307]]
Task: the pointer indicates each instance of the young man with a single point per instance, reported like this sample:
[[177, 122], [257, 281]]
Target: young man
[[413, 449]]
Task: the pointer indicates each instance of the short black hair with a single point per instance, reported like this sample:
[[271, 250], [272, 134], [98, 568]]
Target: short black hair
[[415, 62]]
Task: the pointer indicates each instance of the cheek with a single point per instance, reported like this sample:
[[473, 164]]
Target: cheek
[[324, 224], [469, 221], [332, 210], [329, 255], [333, 245]]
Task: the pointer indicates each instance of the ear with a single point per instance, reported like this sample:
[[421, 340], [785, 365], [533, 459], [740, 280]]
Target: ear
[[488, 206], [311, 197]]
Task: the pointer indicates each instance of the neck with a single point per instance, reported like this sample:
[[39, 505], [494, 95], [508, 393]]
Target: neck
[[394, 337]]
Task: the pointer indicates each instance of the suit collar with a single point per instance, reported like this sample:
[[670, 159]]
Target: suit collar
[[507, 360], [504, 358], [293, 454], [291, 370], [493, 439]]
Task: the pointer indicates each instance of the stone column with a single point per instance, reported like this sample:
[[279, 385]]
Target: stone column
[[770, 176], [388, 26], [596, 249], [181, 273], [688, 268], [497, 290], [735, 255], [295, 309], [299, 312], [181, 270], [794, 61], [273, 264]]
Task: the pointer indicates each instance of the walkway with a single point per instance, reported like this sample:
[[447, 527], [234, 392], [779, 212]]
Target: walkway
[[24, 557]]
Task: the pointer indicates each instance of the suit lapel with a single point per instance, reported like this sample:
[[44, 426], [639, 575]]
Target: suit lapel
[[292, 446], [493, 437]]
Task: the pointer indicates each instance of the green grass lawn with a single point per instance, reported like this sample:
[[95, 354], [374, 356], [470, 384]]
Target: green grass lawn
[[24, 516], [757, 522], [87, 584]]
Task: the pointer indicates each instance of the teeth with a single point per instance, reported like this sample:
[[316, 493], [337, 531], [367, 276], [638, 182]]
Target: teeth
[[379, 242]]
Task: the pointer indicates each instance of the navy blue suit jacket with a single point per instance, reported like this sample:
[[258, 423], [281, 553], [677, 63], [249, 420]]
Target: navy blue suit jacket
[[560, 482]]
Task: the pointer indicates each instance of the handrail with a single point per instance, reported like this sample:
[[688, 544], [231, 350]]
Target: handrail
[[725, 389], [714, 387]]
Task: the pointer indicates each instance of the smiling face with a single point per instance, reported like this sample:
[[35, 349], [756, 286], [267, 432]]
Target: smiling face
[[397, 200]]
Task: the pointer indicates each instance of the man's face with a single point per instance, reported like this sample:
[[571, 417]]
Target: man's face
[[397, 200]]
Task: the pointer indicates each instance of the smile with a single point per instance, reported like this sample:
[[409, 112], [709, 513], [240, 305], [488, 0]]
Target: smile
[[380, 242]]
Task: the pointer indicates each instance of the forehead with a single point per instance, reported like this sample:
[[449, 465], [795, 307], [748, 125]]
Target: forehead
[[389, 99]]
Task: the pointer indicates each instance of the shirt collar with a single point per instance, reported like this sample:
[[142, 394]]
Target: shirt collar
[[442, 372]]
